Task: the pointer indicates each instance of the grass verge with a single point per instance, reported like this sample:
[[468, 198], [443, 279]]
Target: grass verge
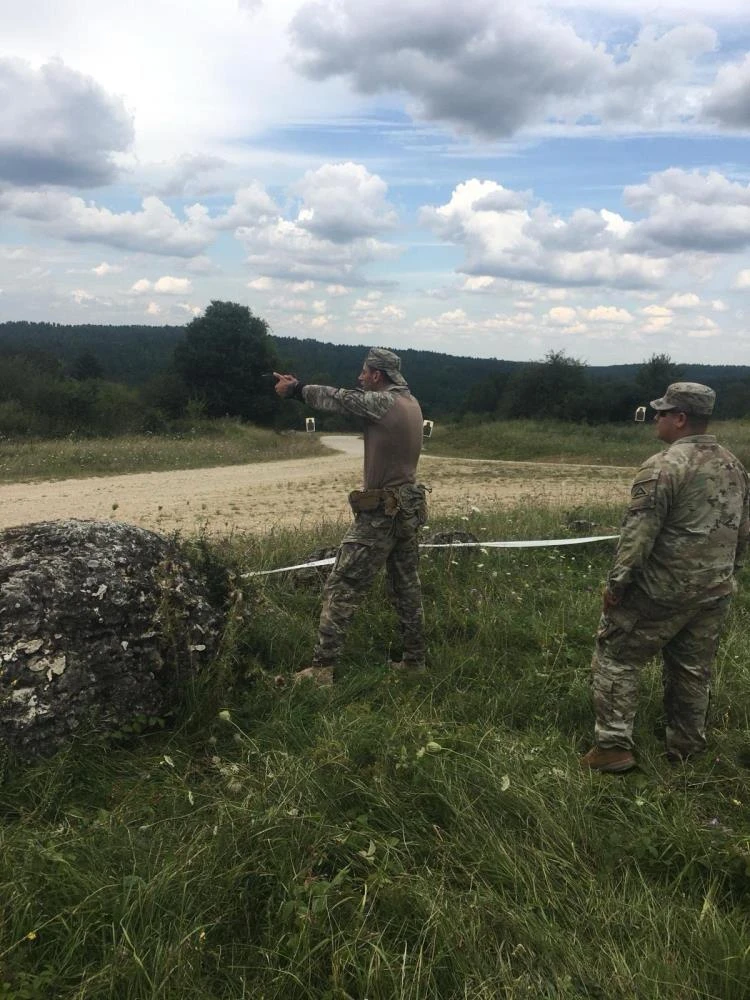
[[391, 838], [202, 445], [547, 441]]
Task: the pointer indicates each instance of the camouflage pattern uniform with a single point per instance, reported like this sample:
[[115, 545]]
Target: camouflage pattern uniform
[[388, 534], [683, 536]]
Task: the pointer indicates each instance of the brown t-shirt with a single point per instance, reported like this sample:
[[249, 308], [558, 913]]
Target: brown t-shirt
[[393, 429]]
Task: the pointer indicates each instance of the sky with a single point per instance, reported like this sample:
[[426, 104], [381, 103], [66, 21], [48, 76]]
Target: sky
[[484, 179]]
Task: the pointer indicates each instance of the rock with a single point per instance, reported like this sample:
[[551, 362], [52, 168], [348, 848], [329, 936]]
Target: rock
[[100, 623]]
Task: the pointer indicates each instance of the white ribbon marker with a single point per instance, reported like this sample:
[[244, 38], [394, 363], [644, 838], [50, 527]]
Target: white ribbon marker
[[535, 544]]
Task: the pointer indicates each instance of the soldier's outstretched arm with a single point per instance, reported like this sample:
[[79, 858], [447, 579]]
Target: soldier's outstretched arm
[[355, 402]]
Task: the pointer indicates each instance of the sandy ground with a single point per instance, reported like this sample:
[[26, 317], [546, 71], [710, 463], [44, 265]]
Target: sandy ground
[[298, 492]]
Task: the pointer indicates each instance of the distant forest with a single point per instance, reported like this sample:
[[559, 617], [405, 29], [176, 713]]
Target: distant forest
[[58, 379]]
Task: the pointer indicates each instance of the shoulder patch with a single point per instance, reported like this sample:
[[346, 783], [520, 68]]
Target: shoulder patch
[[643, 492]]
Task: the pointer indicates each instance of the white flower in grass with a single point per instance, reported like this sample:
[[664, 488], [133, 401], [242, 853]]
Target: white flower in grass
[[225, 715]]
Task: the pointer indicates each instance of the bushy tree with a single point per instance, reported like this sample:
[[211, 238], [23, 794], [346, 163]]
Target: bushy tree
[[557, 387], [86, 366], [222, 361], [654, 375]]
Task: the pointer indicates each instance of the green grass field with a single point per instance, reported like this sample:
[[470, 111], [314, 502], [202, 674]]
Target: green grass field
[[210, 443], [429, 839], [226, 442], [547, 441]]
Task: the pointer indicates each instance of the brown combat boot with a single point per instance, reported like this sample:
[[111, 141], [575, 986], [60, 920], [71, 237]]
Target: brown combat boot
[[613, 761], [320, 676]]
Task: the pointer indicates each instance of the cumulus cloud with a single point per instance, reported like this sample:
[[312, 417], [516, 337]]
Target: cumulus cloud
[[729, 100], [742, 279], [58, 126], [532, 244], [182, 176], [532, 62], [261, 284], [104, 268], [449, 64], [686, 219], [154, 229], [252, 206], [333, 236], [646, 86], [166, 285], [690, 210], [684, 300], [344, 202], [609, 314]]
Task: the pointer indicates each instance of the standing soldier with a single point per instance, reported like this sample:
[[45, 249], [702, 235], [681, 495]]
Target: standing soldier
[[682, 540], [388, 510]]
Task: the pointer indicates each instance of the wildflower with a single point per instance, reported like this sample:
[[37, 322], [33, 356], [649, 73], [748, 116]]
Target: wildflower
[[225, 715]]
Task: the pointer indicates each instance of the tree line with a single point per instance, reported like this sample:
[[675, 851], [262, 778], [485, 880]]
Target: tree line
[[60, 380]]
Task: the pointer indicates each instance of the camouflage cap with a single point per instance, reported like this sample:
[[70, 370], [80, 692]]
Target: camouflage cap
[[386, 361], [689, 397]]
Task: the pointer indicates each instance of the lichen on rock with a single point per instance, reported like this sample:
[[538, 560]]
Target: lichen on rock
[[100, 623]]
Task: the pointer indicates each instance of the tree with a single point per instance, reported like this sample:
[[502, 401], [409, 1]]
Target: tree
[[654, 375], [86, 366], [556, 388], [222, 360]]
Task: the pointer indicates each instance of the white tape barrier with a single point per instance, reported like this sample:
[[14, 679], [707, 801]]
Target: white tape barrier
[[535, 544]]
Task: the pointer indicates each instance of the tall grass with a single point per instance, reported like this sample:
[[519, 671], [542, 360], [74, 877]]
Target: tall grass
[[391, 838], [547, 441], [200, 445]]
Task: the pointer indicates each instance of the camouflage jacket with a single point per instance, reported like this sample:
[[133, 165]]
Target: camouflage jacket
[[393, 429], [687, 524]]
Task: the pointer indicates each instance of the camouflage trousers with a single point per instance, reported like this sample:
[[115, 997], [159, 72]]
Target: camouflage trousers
[[629, 635], [375, 540]]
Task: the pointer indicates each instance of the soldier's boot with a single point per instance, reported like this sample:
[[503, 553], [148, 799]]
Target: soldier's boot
[[321, 676], [613, 761]]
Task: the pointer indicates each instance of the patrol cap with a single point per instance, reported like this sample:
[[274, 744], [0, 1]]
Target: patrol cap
[[689, 397], [386, 361]]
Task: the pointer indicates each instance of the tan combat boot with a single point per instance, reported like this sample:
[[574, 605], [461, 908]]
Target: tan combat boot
[[612, 761]]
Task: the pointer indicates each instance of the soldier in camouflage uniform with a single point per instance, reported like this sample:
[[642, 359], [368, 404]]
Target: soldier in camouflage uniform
[[388, 510], [682, 541]]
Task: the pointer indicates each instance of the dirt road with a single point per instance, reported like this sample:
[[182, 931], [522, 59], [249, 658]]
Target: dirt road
[[297, 492]]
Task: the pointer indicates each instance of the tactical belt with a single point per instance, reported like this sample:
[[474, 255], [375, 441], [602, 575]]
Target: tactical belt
[[368, 500]]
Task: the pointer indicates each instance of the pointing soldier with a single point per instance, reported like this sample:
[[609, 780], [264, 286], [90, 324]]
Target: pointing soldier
[[682, 540], [388, 510]]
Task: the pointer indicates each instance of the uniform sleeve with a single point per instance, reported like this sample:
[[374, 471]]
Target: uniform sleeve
[[743, 533], [650, 502], [355, 402]]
